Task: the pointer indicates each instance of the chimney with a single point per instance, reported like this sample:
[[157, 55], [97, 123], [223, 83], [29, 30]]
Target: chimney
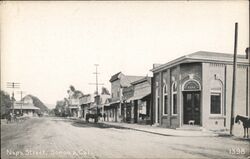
[[247, 53]]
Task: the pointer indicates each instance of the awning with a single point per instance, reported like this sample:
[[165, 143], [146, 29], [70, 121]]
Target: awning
[[73, 106], [27, 107], [111, 105], [138, 96]]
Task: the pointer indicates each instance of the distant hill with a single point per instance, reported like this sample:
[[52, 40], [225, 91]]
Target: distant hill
[[37, 102]]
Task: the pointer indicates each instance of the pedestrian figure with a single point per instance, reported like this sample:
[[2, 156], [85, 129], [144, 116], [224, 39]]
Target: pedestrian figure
[[104, 116]]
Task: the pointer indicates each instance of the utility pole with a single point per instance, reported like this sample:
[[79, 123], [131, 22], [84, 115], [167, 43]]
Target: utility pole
[[96, 84], [13, 85], [21, 92], [96, 79], [234, 78]]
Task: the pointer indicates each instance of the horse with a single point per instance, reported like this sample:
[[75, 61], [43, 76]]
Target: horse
[[246, 124], [10, 118], [143, 116], [93, 116]]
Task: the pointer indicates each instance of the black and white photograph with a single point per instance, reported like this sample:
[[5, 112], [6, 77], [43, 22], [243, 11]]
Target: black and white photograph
[[125, 79]]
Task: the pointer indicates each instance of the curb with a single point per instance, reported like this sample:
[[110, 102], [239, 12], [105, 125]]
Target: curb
[[162, 134]]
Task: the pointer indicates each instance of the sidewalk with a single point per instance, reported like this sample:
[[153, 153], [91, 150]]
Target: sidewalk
[[163, 131]]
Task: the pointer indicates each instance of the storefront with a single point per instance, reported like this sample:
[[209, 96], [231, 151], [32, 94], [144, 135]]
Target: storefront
[[196, 89], [111, 110]]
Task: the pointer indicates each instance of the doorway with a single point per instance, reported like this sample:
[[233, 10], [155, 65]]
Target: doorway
[[191, 107], [135, 111]]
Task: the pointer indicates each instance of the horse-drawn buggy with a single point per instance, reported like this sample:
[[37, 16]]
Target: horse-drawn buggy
[[94, 116], [11, 118]]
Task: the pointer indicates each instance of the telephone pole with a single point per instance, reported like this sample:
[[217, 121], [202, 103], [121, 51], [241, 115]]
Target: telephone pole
[[21, 93], [96, 79], [96, 84], [13, 86], [234, 78]]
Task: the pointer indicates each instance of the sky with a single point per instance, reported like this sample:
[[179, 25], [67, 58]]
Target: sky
[[49, 45]]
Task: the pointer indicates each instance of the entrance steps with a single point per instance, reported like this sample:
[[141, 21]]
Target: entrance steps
[[191, 128]]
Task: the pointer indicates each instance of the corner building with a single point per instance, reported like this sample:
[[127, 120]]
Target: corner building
[[198, 87]]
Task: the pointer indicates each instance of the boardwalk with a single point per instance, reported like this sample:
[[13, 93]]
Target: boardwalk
[[63, 138]]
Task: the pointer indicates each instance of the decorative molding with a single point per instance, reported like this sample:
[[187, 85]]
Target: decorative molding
[[216, 65], [191, 85], [242, 67]]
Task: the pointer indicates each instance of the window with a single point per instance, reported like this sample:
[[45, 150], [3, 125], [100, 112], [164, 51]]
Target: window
[[174, 98], [215, 103], [165, 100], [157, 103]]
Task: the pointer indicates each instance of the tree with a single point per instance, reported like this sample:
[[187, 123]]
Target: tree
[[5, 102], [72, 88], [105, 91]]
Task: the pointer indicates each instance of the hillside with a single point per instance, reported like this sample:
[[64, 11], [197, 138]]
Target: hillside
[[38, 103]]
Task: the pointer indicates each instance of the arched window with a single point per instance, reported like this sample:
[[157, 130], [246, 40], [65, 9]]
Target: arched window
[[157, 105], [174, 99], [165, 100], [216, 94]]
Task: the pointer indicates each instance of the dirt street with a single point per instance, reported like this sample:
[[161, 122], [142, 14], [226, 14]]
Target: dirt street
[[64, 138]]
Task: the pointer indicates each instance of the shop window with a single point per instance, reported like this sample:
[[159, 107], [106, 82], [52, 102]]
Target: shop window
[[165, 100], [174, 98]]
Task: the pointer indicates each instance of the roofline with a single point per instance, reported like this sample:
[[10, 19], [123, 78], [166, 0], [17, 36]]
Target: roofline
[[114, 75], [187, 59], [140, 80]]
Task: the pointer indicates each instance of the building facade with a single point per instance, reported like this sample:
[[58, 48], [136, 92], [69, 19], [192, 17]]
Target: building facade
[[138, 105], [118, 82], [25, 108], [197, 88], [74, 103], [86, 102]]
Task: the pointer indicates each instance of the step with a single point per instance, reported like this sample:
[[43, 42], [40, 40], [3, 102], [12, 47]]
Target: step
[[191, 127]]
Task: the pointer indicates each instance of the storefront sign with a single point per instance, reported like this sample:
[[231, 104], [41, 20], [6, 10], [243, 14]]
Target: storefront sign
[[191, 86]]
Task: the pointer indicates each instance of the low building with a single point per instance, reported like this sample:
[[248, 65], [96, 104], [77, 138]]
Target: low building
[[86, 103], [27, 109], [141, 101], [197, 88], [103, 101], [74, 103]]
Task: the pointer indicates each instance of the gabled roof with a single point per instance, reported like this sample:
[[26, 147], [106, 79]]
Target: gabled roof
[[114, 77], [127, 80], [203, 56], [142, 80]]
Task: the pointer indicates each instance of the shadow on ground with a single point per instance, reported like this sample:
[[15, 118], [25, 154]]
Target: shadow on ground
[[85, 124]]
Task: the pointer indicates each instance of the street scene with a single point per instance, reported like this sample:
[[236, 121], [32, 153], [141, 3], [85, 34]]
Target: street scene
[[64, 138], [127, 79]]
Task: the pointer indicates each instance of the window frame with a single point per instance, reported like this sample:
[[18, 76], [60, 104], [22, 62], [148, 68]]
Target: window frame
[[214, 92], [172, 99], [165, 93], [221, 103]]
